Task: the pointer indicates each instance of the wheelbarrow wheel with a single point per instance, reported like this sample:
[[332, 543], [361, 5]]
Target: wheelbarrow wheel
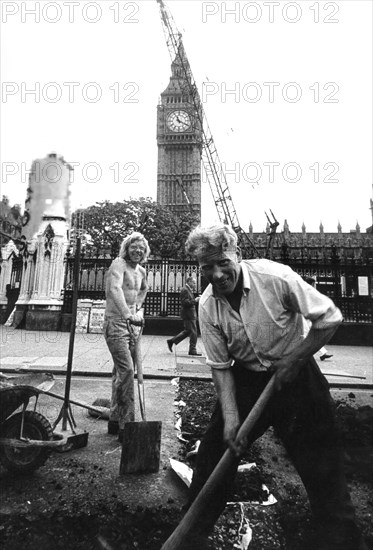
[[21, 460]]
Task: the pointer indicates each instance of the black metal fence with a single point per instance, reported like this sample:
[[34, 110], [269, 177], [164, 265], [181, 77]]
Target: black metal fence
[[17, 269], [348, 282], [165, 279]]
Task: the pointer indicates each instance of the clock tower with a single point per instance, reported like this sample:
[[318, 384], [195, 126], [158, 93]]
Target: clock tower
[[179, 140]]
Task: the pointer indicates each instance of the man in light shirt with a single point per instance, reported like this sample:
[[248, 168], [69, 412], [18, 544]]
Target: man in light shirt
[[252, 319]]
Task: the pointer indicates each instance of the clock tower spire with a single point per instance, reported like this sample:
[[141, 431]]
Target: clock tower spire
[[179, 140]]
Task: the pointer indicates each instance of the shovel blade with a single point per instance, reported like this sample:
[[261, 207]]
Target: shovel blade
[[141, 447]]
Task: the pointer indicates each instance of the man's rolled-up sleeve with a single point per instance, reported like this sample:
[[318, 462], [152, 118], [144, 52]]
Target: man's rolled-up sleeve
[[331, 318], [214, 342], [314, 306]]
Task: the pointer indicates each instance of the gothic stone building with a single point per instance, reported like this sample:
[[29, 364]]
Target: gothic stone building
[[354, 244], [11, 221]]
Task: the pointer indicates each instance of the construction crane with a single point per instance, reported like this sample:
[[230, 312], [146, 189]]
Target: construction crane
[[185, 194], [210, 158], [272, 228]]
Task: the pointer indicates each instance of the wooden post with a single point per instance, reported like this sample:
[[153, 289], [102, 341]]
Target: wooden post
[[66, 404], [77, 440]]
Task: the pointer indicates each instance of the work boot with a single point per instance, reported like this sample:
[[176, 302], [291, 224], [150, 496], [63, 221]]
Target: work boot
[[195, 352], [112, 427]]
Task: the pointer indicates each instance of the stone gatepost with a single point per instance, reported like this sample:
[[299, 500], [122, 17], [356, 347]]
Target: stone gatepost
[[40, 301], [28, 272], [7, 254], [40, 298]]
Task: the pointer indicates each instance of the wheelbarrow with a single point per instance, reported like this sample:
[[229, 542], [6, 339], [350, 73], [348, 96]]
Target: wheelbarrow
[[26, 436]]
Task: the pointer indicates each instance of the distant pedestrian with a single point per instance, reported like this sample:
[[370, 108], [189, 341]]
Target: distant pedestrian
[[323, 352], [189, 315], [125, 289]]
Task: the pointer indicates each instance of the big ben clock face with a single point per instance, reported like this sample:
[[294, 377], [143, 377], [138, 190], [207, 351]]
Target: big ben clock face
[[178, 121]]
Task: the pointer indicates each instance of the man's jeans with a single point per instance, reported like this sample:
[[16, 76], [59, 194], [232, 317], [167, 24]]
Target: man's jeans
[[118, 341]]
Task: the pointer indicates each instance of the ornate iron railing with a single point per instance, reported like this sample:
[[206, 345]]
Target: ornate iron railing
[[17, 268], [165, 279], [347, 281]]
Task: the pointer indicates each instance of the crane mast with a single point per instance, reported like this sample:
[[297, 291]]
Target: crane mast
[[210, 158]]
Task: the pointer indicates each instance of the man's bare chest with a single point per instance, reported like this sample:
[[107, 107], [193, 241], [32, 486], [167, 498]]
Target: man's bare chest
[[132, 280]]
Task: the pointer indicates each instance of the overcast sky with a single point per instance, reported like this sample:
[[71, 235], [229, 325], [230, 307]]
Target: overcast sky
[[286, 86]]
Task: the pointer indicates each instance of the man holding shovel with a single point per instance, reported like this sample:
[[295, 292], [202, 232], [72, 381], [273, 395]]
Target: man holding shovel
[[125, 289], [252, 319]]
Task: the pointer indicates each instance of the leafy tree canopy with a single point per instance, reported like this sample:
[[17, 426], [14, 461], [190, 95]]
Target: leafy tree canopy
[[10, 221], [108, 223]]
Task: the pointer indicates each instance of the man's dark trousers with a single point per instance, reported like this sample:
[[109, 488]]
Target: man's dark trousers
[[189, 316], [302, 414], [190, 329]]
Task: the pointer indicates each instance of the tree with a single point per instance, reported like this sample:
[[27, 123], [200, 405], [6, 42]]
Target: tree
[[10, 221], [108, 223]]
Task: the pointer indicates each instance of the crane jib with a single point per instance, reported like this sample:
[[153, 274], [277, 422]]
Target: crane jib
[[213, 167]]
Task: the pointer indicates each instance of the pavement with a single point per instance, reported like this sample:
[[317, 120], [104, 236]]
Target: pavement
[[43, 351]]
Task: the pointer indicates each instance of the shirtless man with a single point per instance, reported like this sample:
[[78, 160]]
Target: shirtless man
[[125, 290]]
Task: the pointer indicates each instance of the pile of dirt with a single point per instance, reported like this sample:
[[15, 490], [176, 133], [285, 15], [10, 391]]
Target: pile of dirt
[[356, 426], [287, 525]]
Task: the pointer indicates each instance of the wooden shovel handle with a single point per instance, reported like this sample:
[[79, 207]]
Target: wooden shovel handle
[[137, 360], [205, 496], [140, 386], [141, 390], [136, 351]]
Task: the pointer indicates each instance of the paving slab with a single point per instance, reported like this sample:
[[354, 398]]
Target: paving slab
[[48, 361], [348, 362], [16, 361], [48, 351], [347, 366]]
